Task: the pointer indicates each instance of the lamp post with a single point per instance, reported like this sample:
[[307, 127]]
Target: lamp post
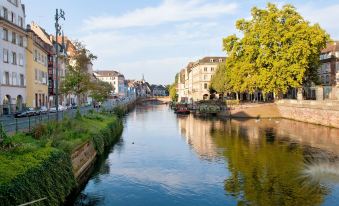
[[60, 14]]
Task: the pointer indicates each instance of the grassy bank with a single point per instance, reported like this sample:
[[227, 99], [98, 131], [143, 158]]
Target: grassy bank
[[37, 164]]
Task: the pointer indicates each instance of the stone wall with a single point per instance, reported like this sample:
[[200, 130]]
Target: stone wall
[[83, 158], [317, 112]]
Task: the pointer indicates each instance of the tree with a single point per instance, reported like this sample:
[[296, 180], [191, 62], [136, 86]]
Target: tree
[[77, 78], [279, 49], [100, 91], [173, 92]]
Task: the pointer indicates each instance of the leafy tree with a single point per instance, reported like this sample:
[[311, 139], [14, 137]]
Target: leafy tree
[[77, 78], [173, 93], [100, 91], [279, 49]]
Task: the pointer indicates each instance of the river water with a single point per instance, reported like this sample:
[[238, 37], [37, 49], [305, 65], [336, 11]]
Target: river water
[[164, 159]]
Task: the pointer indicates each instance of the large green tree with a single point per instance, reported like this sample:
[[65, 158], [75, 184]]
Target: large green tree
[[77, 80], [279, 49], [100, 90]]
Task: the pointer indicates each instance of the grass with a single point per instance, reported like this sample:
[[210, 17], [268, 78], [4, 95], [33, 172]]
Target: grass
[[29, 150]]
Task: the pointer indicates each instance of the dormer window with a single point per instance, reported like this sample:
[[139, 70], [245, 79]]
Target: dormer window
[[211, 60], [220, 60]]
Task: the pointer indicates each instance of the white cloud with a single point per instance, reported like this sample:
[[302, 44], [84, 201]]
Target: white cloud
[[325, 16], [168, 11]]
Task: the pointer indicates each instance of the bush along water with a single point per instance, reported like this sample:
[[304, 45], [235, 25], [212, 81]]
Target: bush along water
[[37, 165]]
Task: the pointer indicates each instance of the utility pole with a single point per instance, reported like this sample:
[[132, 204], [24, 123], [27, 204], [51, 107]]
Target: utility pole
[[60, 14]]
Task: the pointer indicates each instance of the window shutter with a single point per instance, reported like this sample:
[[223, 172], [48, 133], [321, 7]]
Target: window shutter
[[9, 36], [10, 57], [4, 78], [25, 42], [10, 78]]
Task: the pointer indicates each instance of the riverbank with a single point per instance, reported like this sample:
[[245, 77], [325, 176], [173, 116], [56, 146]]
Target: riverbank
[[325, 113], [49, 162]]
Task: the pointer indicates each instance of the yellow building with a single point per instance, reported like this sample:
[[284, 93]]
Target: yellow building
[[37, 70]]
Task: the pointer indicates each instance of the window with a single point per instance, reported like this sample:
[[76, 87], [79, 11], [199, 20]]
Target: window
[[21, 21], [21, 59], [35, 55], [211, 60], [5, 55], [5, 12], [205, 86], [36, 74], [220, 60], [21, 41], [14, 79], [205, 69], [205, 77], [5, 37], [212, 69], [14, 58], [327, 79], [6, 78], [13, 37], [13, 17], [22, 80]]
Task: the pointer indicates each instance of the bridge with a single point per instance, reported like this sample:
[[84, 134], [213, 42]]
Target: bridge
[[159, 100]]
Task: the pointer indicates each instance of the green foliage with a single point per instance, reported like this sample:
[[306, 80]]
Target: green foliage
[[279, 49], [43, 173], [119, 111], [39, 165], [173, 92], [100, 91], [77, 79]]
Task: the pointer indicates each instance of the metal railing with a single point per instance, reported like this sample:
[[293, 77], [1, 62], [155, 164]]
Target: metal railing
[[12, 125]]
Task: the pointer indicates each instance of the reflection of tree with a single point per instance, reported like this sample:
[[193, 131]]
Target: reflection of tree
[[266, 173]]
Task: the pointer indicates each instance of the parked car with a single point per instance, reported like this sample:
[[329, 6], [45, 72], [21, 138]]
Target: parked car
[[60, 108], [28, 112], [43, 110]]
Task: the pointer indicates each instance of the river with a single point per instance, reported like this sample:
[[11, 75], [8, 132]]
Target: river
[[164, 159]]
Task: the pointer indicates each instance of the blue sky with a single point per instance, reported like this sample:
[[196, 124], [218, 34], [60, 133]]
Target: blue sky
[[159, 37]]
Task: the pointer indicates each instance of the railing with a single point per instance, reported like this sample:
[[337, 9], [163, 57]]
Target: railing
[[12, 125]]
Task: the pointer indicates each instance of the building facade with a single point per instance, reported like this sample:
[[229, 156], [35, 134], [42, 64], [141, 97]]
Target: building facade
[[329, 69], [114, 78], [12, 50], [194, 80], [37, 70]]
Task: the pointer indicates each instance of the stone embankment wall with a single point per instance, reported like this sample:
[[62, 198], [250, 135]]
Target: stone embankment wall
[[317, 112], [83, 158], [251, 110]]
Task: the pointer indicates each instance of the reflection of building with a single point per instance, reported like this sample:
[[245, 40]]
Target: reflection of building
[[37, 70], [194, 80], [198, 134], [13, 58]]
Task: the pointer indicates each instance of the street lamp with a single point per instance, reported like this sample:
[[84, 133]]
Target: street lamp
[[60, 14]]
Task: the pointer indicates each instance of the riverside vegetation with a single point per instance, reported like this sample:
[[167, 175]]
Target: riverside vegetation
[[37, 165]]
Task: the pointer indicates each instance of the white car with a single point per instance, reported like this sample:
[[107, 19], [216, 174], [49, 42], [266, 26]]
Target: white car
[[60, 108]]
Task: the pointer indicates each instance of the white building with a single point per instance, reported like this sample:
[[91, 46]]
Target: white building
[[114, 78], [12, 50]]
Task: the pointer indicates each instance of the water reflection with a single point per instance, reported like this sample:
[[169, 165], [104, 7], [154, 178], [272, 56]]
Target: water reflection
[[272, 162], [165, 159]]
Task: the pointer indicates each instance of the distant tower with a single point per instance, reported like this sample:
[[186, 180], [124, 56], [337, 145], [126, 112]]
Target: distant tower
[[143, 78]]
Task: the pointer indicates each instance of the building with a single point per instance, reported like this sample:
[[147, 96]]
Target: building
[[194, 80], [329, 69], [114, 78], [37, 69], [158, 90], [12, 50]]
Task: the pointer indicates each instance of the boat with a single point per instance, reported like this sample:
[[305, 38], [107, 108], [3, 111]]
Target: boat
[[181, 109]]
